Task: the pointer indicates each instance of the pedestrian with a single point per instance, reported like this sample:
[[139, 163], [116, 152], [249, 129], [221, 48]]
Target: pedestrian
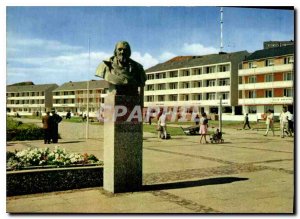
[[197, 120], [203, 127], [53, 121], [290, 123], [162, 126], [246, 121], [46, 127], [68, 116], [283, 122], [84, 118], [270, 122]]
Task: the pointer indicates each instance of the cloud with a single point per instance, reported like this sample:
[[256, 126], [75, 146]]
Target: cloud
[[198, 49], [146, 60], [166, 56]]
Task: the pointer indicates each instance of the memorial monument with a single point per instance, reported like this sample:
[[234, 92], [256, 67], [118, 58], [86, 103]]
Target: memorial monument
[[123, 125]]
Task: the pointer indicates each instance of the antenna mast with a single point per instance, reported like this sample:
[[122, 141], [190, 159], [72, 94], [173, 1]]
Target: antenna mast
[[221, 22]]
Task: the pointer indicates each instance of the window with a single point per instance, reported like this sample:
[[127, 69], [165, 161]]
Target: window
[[268, 78], [288, 92], [150, 87], [173, 74], [161, 86], [185, 85], [223, 68], [252, 94], [150, 76], [210, 83], [268, 93], [288, 60], [161, 98], [197, 71], [210, 96], [252, 109], [173, 86], [185, 97], [224, 82], [252, 79], [185, 73], [149, 98], [269, 62], [225, 96], [197, 97], [252, 65], [197, 84], [287, 76], [173, 98], [210, 69]]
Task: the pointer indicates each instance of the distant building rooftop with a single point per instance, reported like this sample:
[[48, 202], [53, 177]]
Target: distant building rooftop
[[272, 52], [29, 88], [191, 61], [82, 85]]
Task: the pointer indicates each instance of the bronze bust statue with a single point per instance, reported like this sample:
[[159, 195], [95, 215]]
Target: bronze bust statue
[[124, 74]]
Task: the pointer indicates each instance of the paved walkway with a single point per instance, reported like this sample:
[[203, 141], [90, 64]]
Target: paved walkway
[[249, 173]]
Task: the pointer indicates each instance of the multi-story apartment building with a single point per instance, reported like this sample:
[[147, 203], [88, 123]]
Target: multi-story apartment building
[[266, 81], [195, 81], [74, 96], [29, 99]]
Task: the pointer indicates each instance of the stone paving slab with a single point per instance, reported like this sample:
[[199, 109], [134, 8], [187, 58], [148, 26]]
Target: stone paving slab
[[249, 173]]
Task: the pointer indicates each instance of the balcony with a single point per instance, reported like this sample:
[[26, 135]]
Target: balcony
[[267, 69], [64, 97], [266, 85], [64, 105]]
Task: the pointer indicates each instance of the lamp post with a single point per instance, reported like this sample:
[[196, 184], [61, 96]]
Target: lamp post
[[220, 113]]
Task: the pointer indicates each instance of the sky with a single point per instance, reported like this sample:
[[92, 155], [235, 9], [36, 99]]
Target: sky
[[62, 44]]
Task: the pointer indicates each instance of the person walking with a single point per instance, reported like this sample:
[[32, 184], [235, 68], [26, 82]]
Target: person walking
[[203, 127], [283, 122], [53, 121], [270, 122], [162, 126], [197, 120], [46, 127], [246, 121], [290, 123]]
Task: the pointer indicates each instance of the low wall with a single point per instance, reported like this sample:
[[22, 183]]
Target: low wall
[[48, 180]]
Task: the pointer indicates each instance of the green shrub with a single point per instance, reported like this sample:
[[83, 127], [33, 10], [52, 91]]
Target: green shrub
[[16, 131]]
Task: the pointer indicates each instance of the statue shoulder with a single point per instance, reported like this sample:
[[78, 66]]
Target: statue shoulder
[[103, 67], [137, 65]]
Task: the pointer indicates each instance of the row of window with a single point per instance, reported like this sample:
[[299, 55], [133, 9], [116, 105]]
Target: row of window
[[61, 93], [189, 72], [26, 102], [253, 109], [25, 94], [287, 76], [271, 62], [287, 92], [185, 97], [192, 84]]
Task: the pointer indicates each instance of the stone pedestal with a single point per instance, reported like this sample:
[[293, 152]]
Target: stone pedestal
[[123, 142]]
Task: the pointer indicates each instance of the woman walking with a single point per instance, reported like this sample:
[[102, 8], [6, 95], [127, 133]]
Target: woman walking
[[269, 123], [203, 127]]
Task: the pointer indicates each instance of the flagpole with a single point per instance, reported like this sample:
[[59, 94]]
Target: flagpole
[[87, 98]]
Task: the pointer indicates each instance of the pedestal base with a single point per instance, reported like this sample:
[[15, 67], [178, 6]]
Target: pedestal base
[[123, 142]]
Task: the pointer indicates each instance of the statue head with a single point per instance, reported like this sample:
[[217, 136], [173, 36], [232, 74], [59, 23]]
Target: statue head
[[122, 51]]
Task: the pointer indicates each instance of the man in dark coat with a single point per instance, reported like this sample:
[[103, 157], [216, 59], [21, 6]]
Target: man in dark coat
[[46, 127], [53, 122]]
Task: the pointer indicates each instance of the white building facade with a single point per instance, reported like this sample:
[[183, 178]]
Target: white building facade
[[195, 83], [79, 97], [266, 81], [29, 99]]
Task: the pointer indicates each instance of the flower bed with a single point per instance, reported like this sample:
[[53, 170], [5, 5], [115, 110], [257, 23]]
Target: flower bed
[[42, 157], [36, 170]]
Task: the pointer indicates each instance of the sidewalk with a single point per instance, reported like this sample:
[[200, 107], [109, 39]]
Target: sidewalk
[[249, 173]]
